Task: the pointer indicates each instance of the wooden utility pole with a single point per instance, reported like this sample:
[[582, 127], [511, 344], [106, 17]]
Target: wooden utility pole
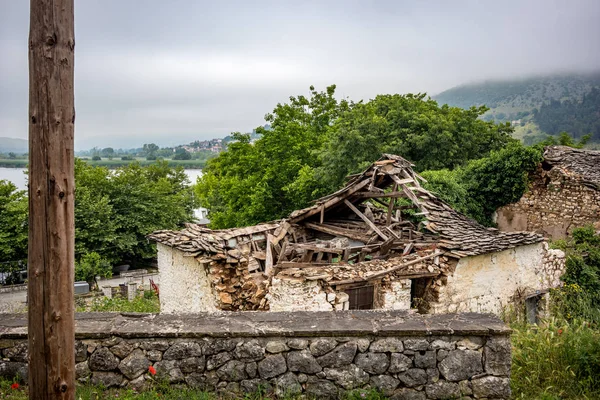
[[51, 200]]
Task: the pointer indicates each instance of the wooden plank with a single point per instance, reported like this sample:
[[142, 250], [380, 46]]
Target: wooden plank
[[368, 195], [319, 257], [269, 256], [367, 220], [407, 249], [316, 248], [282, 252], [295, 264], [390, 270], [322, 217], [336, 231], [388, 219], [308, 254], [317, 209], [51, 254]]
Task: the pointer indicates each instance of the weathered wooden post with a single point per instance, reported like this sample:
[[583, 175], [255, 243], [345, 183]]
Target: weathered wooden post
[[51, 200]]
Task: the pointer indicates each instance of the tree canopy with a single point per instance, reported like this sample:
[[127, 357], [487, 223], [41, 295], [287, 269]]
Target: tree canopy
[[314, 142], [114, 211]]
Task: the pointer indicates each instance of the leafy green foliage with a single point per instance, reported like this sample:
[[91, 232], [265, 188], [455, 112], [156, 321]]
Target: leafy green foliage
[[499, 179], [313, 143], [580, 297], [114, 211], [250, 183], [578, 117], [91, 265], [117, 209], [483, 185], [13, 228]]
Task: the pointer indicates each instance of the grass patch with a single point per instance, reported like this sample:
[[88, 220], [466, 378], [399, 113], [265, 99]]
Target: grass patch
[[559, 360], [163, 392], [145, 303]]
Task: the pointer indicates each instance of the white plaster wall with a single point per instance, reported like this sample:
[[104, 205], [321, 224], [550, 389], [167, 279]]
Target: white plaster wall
[[488, 282], [184, 284], [297, 295], [397, 297]]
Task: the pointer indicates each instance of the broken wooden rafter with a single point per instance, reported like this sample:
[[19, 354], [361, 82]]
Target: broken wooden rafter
[[390, 270], [367, 220], [337, 231]]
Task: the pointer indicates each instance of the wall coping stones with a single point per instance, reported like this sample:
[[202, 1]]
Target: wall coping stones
[[273, 324]]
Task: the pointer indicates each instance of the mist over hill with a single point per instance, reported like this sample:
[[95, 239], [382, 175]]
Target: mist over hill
[[536, 106]]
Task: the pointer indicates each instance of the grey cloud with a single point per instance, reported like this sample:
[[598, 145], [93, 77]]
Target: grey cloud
[[181, 70]]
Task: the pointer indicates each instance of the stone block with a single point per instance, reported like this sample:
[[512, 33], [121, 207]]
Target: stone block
[[413, 377], [303, 361], [387, 345], [497, 356], [179, 351], [348, 377], [272, 366], [103, 360], [321, 389], [134, 365], [385, 384], [443, 390], [319, 347], [233, 371], [416, 344], [425, 359], [276, 346], [340, 356], [106, 379], [491, 387], [460, 365], [399, 363], [373, 363]]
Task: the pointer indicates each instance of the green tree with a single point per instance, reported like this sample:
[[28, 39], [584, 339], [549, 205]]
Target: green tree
[[182, 154], [90, 265], [250, 183], [314, 142], [150, 149], [108, 152], [13, 228]]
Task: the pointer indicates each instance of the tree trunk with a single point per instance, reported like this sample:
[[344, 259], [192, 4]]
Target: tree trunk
[[51, 200]]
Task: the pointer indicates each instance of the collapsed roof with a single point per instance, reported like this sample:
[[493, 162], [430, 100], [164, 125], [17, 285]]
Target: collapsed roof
[[578, 163], [381, 214]]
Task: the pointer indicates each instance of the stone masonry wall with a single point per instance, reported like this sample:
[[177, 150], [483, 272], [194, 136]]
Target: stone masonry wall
[[491, 282], [321, 355], [554, 205]]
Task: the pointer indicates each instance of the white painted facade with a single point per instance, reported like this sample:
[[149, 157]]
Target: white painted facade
[[184, 284], [490, 282]]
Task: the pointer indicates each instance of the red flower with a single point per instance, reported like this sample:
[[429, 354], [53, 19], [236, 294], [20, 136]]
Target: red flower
[[560, 331], [152, 370], [14, 386]]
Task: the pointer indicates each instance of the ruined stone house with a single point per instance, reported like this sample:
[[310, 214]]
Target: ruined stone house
[[381, 242], [564, 194]]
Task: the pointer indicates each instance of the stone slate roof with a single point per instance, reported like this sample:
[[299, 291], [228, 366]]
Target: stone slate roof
[[349, 213], [578, 163]]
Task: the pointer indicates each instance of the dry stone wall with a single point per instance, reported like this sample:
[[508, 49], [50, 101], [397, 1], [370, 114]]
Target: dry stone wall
[[554, 205], [322, 355]]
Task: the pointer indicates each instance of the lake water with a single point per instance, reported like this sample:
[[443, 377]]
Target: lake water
[[18, 177]]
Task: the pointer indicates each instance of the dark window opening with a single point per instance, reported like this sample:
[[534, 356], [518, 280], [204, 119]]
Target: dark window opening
[[420, 294], [532, 309], [361, 298]]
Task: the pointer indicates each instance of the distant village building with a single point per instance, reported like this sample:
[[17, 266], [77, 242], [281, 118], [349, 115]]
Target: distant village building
[[564, 194], [382, 241]]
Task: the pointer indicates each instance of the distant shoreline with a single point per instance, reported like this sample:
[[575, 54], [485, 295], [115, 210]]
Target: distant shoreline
[[111, 164]]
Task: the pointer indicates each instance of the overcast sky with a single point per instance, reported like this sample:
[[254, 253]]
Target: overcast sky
[[175, 71]]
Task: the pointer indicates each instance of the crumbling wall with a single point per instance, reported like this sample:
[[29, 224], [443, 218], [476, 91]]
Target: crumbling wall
[[554, 205], [319, 355], [184, 283], [396, 295], [287, 294], [489, 282]]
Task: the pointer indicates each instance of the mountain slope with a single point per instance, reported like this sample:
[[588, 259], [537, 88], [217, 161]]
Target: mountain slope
[[519, 101], [12, 145]]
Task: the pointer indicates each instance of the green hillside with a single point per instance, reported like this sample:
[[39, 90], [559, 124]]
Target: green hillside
[[536, 106]]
